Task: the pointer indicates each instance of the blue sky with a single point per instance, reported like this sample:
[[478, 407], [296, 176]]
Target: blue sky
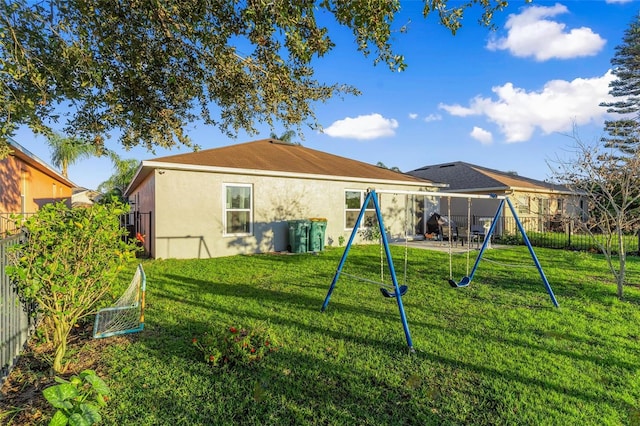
[[506, 99]]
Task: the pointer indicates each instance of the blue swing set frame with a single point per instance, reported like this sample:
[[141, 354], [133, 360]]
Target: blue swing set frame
[[465, 281], [399, 291]]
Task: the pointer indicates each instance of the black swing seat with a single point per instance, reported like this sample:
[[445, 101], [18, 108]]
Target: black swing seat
[[464, 282], [386, 293]]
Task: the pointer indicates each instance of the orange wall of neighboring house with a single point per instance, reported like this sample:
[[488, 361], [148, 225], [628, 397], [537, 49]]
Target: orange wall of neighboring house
[[25, 188]]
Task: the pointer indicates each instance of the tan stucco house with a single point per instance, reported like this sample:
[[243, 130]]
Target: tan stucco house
[[240, 199], [27, 183], [535, 201]]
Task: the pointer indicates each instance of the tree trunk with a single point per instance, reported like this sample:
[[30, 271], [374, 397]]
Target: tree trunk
[[622, 265], [60, 334]]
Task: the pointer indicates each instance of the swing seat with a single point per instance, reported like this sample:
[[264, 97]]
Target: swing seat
[[464, 282], [387, 293]]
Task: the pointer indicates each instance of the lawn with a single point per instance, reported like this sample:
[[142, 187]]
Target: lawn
[[496, 352]]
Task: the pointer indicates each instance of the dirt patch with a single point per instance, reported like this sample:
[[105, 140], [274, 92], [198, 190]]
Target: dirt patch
[[21, 400]]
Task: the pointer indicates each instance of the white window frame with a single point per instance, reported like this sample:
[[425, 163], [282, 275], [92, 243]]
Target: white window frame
[[363, 194], [524, 204], [226, 209]]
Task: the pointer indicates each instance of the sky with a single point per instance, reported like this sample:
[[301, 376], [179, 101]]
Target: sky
[[513, 98]]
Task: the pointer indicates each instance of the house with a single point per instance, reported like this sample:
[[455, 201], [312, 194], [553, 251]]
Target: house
[[27, 184], [536, 202], [243, 198], [83, 197]]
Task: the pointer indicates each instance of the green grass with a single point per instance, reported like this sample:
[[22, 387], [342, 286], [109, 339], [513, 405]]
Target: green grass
[[495, 353]]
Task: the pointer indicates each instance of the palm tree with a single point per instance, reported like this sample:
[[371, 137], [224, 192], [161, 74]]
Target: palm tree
[[66, 150], [394, 168], [124, 171], [285, 137]]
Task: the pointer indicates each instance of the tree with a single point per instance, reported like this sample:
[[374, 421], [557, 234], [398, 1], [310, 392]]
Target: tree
[[124, 172], [67, 150], [611, 185], [623, 133], [394, 168], [285, 137], [148, 69], [68, 263]]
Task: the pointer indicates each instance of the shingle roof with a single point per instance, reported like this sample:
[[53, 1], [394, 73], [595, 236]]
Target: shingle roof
[[463, 176], [273, 155]]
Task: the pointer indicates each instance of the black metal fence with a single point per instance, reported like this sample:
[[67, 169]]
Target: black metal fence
[[543, 231], [16, 321], [138, 227]]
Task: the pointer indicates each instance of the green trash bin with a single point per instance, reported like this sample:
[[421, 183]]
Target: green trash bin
[[316, 234], [299, 235]]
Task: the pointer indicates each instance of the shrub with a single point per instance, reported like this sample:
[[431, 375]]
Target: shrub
[[236, 345], [69, 260]]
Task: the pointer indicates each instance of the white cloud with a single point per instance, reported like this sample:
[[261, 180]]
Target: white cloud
[[363, 127], [433, 117], [457, 110], [413, 115], [530, 34], [555, 108], [485, 137]]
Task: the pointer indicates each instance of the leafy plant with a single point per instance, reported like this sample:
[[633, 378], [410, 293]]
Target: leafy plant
[[78, 399], [67, 264], [237, 345], [340, 240]]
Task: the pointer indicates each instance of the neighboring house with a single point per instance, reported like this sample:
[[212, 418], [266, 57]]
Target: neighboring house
[[28, 183], [240, 199], [83, 197], [535, 201]]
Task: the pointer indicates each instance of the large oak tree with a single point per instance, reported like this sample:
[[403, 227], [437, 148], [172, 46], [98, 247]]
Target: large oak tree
[[147, 68]]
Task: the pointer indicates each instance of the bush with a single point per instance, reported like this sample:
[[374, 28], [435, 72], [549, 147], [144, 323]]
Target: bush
[[68, 262], [236, 345]]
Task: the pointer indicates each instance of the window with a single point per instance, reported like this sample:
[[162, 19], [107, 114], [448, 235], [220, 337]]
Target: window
[[352, 204], [238, 215], [523, 204], [543, 206]]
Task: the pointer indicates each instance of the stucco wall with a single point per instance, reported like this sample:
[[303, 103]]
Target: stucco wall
[[19, 179], [189, 206]]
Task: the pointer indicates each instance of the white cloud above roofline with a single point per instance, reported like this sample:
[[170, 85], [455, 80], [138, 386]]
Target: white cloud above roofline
[[557, 107], [483, 136], [362, 127], [533, 33]]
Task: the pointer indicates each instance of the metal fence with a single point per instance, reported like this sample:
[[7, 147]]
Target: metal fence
[[138, 227], [11, 223], [15, 317], [544, 231]]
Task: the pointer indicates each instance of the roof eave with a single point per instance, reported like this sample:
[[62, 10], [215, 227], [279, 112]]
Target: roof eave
[[515, 188], [28, 157], [146, 167]]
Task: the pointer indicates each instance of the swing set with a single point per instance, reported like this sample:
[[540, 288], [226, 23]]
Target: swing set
[[397, 291]]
